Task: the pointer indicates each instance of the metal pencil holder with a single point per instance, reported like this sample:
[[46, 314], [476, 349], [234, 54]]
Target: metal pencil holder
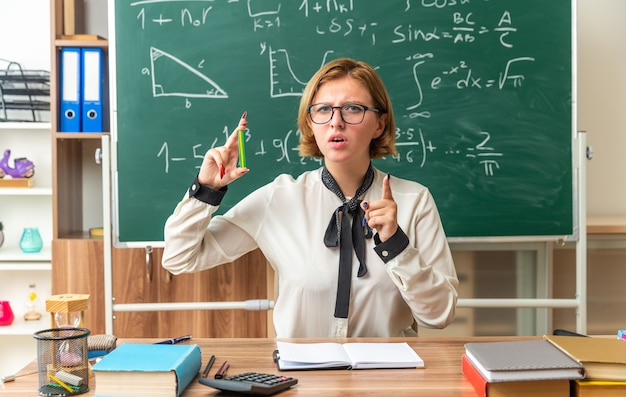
[[62, 361]]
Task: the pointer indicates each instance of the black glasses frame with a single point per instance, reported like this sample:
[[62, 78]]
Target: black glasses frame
[[332, 114]]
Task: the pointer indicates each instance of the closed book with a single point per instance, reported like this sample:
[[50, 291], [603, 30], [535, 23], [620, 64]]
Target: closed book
[[599, 388], [153, 370], [535, 388], [535, 359], [329, 355], [603, 358]]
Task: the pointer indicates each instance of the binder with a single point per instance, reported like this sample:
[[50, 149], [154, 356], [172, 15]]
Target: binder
[[92, 90], [70, 81]]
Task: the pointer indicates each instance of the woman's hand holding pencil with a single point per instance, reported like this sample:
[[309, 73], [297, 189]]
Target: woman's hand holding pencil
[[219, 166]]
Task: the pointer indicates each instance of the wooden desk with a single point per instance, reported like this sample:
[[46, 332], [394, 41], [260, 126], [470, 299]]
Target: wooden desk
[[441, 377]]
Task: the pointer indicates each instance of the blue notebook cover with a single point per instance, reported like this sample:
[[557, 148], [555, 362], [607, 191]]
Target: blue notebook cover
[[185, 360]]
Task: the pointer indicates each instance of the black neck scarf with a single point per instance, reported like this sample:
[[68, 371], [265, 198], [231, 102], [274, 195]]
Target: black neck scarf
[[340, 233]]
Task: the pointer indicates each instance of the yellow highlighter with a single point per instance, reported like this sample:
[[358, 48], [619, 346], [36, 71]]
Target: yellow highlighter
[[60, 383], [242, 145]]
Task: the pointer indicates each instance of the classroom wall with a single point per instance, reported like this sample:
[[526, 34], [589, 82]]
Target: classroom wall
[[25, 33], [602, 102]]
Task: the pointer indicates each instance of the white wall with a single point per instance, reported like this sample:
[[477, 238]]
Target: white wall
[[25, 33], [24, 38], [602, 102]]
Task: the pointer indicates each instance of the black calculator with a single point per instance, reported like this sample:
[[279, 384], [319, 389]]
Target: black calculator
[[251, 383]]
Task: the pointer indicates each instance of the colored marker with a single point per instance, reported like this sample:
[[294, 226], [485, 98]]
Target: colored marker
[[242, 145], [222, 371], [208, 366]]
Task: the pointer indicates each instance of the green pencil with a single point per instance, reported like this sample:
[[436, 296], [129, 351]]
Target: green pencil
[[242, 149]]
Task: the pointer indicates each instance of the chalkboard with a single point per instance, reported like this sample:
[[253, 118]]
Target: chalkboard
[[482, 92]]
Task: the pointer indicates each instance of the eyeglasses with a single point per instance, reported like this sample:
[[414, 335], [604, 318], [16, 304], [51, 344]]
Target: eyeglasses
[[351, 113]]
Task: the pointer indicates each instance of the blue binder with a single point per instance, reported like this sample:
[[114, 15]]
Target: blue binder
[[92, 90], [70, 81]]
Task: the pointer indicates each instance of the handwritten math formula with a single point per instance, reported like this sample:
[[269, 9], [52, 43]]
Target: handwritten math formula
[[482, 94], [426, 74]]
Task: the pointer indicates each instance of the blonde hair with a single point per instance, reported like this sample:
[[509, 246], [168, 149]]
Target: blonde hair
[[385, 144]]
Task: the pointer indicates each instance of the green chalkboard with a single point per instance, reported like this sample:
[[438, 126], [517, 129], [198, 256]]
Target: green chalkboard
[[482, 92]]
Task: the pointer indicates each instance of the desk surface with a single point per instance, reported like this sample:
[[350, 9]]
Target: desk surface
[[441, 377]]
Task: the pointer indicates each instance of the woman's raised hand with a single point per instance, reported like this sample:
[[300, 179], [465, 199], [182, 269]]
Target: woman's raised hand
[[219, 166]]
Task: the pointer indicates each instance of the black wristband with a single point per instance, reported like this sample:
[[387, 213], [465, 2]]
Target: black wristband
[[206, 194]]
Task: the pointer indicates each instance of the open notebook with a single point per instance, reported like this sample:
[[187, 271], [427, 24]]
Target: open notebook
[[328, 355]]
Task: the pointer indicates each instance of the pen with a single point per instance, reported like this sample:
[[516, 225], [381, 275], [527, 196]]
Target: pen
[[174, 341], [208, 366], [242, 145], [222, 371]]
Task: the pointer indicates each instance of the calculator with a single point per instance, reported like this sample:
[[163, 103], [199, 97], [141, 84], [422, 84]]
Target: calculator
[[251, 383]]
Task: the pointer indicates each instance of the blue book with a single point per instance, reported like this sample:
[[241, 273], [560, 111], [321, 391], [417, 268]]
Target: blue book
[[147, 370]]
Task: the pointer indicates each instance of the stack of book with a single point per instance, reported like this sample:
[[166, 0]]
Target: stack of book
[[519, 368], [604, 361]]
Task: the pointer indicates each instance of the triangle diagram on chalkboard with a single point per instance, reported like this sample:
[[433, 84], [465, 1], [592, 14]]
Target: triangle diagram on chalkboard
[[173, 77]]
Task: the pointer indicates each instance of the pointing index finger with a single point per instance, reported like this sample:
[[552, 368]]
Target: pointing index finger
[[387, 189]]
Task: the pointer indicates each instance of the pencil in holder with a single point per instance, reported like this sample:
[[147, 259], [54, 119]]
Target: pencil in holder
[[62, 361]]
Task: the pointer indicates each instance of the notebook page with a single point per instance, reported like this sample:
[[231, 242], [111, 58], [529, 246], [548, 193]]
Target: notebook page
[[383, 353], [312, 352]]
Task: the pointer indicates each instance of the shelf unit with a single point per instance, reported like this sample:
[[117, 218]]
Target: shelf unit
[[77, 199], [26, 207]]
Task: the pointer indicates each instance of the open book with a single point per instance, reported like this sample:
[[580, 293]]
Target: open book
[[328, 355]]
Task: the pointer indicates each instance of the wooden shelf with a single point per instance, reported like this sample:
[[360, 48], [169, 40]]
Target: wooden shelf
[[79, 135], [102, 43]]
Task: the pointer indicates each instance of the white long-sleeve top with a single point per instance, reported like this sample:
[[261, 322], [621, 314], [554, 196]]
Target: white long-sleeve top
[[287, 219]]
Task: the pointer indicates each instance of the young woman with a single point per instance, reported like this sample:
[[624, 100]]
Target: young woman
[[357, 252]]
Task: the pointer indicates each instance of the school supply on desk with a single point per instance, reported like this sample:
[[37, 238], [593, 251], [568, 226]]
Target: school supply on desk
[[599, 388], [256, 383], [11, 378], [602, 358], [521, 388], [518, 360], [156, 370], [328, 355], [209, 364], [173, 341], [221, 373], [100, 345]]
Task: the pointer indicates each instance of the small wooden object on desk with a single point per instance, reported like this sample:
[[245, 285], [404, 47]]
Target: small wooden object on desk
[[67, 305]]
